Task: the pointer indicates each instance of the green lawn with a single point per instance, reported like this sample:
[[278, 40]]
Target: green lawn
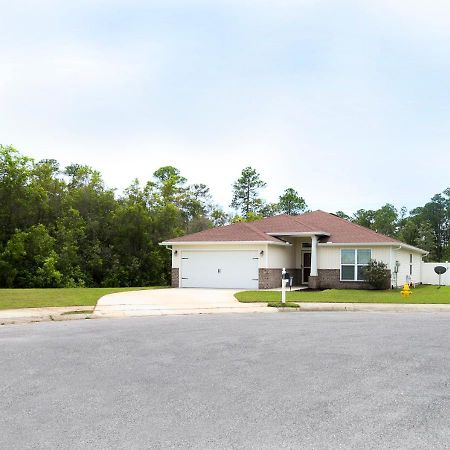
[[279, 304], [421, 294], [38, 298]]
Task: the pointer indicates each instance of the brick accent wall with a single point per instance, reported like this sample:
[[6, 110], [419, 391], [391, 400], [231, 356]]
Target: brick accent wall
[[175, 278], [330, 279], [271, 278]]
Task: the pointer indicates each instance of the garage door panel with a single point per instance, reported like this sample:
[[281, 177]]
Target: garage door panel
[[220, 269]]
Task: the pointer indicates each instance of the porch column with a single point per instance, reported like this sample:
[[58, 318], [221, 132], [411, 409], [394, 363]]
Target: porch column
[[314, 282], [314, 272]]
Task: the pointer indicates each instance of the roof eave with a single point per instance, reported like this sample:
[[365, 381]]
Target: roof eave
[[373, 244], [299, 233], [284, 244]]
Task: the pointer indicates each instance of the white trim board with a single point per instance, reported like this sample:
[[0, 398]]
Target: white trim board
[[283, 244]]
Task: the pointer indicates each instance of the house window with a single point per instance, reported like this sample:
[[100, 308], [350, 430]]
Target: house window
[[353, 262], [410, 263]]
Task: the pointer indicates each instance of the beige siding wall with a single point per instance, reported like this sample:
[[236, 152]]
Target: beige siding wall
[[279, 257], [330, 257], [403, 257]]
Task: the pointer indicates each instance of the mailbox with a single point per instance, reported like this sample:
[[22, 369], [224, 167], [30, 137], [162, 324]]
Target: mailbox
[[290, 279]]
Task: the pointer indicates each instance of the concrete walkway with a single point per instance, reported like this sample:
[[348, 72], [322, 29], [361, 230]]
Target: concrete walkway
[[157, 302]]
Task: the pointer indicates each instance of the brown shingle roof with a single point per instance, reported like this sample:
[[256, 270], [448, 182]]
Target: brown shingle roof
[[339, 230], [240, 231]]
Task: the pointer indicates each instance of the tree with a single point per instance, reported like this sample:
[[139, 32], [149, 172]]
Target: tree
[[385, 220], [342, 215], [291, 203], [29, 260], [198, 203], [246, 192], [364, 217], [169, 187], [437, 214], [70, 243], [15, 193], [268, 210], [426, 240], [219, 217], [48, 192]]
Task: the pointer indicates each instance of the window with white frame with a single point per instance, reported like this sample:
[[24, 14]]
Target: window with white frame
[[353, 262], [410, 264]]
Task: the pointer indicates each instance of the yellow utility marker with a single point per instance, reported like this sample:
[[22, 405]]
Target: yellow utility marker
[[406, 291]]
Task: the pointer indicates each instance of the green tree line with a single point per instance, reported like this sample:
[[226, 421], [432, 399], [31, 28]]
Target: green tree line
[[62, 227]]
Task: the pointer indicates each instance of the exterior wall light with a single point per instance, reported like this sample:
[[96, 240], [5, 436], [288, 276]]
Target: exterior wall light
[[261, 253], [175, 252]]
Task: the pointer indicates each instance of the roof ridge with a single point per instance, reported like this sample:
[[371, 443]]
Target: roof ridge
[[297, 219], [259, 232]]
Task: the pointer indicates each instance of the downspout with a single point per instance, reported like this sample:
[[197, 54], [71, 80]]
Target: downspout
[[422, 262], [396, 275]]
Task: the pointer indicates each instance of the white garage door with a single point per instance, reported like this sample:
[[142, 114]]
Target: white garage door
[[220, 269]]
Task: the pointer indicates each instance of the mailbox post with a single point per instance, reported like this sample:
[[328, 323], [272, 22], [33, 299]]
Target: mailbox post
[[284, 280]]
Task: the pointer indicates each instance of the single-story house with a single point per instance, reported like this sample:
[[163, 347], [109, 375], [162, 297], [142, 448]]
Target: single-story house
[[318, 249]]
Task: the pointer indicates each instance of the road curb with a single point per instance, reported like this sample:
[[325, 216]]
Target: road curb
[[371, 307], [45, 318], [303, 307]]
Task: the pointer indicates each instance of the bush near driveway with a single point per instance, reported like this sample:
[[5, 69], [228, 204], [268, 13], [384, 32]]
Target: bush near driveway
[[421, 294]]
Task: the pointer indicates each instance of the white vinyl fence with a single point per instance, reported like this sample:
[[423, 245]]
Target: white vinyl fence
[[429, 276]]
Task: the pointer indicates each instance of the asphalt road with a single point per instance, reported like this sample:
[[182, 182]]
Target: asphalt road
[[256, 381]]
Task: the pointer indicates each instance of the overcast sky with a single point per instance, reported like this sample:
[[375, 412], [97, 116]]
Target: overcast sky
[[346, 101]]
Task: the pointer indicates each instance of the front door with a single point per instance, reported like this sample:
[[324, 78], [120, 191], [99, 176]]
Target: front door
[[306, 267]]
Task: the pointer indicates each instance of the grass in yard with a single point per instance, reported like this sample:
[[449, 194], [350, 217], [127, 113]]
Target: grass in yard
[[283, 305], [40, 298], [84, 311], [421, 294]]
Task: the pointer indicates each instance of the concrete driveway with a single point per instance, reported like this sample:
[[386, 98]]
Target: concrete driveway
[[174, 301]]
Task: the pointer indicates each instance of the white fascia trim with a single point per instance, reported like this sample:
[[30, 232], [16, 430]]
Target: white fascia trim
[[398, 246], [283, 244], [411, 247], [300, 233]]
